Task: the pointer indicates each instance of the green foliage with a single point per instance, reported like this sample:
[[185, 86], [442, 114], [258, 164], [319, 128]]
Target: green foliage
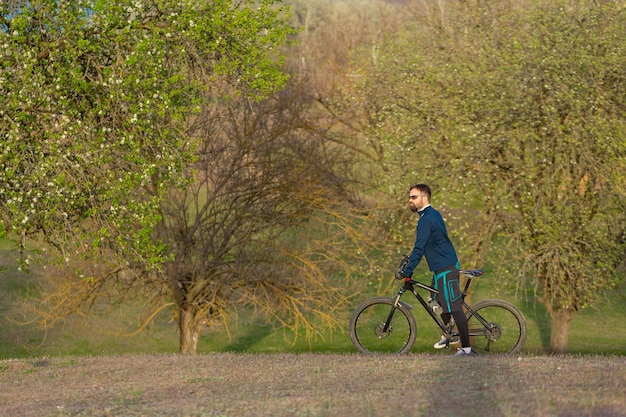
[[96, 96], [548, 121], [99, 127], [517, 111], [526, 109]]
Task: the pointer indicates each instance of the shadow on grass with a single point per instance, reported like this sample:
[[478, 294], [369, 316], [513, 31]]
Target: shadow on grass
[[247, 340], [469, 384]]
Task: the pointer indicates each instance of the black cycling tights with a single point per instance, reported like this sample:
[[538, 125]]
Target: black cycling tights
[[461, 325]]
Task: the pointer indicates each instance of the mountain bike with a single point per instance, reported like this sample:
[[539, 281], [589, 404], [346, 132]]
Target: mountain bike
[[383, 325]]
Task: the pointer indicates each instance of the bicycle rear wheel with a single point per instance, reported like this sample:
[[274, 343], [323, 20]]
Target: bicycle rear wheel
[[367, 327], [496, 326]]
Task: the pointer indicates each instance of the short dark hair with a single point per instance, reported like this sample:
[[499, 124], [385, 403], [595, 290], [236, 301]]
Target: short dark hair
[[422, 188]]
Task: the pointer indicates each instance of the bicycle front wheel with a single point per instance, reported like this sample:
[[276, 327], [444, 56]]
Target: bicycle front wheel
[[496, 326], [377, 327]]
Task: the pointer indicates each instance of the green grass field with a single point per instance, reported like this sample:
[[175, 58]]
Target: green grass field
[[593, 331]]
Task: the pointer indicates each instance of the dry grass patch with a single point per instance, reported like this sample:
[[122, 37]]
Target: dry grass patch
[[233, 384]]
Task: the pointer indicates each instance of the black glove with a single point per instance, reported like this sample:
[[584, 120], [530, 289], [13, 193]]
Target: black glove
[[400, 272]]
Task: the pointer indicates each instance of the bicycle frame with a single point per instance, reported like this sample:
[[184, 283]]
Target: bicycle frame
[[410, 284]]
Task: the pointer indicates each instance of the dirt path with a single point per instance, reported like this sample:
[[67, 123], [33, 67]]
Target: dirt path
[[229, 384]]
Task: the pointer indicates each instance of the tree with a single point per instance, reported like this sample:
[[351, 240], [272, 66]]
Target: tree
[[97, 100], [241, 234], [550, 117], [526, 105], [269, 221]]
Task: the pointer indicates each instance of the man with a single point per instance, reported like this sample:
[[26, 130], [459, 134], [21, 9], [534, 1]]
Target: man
[[432, 242]]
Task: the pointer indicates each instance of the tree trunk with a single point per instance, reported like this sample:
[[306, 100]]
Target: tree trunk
[[189, 332], [561, 321]]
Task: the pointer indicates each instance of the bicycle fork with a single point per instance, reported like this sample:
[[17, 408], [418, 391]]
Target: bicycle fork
[[396, 304]]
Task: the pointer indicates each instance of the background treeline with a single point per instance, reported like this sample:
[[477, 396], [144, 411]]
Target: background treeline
[[209, 160]]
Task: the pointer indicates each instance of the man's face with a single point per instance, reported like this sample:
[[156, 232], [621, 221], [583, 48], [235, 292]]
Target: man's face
[[417, 200]]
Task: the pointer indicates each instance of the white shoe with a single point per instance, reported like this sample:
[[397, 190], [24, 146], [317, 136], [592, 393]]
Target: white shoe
[[461, 352], [444, 342]]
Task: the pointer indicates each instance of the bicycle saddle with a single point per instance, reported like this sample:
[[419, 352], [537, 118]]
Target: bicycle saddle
[[472, 272]]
